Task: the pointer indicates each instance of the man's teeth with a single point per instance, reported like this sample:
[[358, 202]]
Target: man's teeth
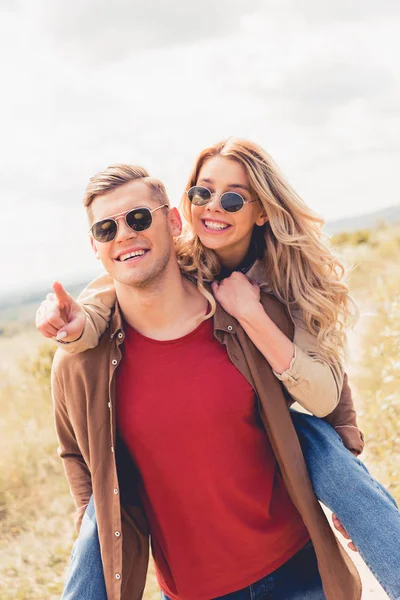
[[216, 226], [131, 255]]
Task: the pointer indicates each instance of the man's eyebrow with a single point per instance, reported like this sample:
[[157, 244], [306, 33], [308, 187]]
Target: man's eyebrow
[[239, 186]]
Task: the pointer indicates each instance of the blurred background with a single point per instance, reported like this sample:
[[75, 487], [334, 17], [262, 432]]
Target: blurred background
[[89, 83]]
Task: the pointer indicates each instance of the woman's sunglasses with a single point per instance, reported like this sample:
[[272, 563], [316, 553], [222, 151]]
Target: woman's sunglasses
[[229, 201], [138, 219]]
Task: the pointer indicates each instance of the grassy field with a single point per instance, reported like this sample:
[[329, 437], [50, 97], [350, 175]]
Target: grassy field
[[35, 532]]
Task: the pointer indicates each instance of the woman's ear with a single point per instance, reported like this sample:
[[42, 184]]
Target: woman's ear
[[261, 219]]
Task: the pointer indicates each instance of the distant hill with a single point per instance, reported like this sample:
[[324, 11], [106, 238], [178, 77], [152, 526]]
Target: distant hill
[[390, 216], [21, 305]]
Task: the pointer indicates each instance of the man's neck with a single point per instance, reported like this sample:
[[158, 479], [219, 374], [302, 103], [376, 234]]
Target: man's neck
[[169, 308]]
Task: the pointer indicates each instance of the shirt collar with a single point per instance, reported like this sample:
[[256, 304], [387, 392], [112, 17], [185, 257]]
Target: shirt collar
[[116, 323], [223, 321]]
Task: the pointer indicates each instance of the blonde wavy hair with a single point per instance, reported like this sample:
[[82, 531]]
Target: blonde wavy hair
[[300, 268]]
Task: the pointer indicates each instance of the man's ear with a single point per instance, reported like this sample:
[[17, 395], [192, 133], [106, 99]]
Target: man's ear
[[94, 246], [175, 221]]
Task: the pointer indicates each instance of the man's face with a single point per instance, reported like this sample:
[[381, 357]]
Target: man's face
[[154, 245]]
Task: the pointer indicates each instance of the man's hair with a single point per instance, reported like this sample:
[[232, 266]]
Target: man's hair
[[117, 175]]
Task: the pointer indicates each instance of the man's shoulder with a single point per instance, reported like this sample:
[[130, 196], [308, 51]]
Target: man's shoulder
[[278, 312], [268, 299]]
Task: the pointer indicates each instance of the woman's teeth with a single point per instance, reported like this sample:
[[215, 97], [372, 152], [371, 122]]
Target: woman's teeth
[[215, 226]]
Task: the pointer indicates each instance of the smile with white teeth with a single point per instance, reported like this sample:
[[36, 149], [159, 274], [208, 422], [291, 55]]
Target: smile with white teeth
[[216, 226], [124, 257]]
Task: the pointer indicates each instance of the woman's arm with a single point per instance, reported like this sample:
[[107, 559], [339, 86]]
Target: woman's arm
[[77, 325], [309, 379]]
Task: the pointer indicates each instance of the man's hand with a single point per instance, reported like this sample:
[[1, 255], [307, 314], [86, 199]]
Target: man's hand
[[237, 295], [60, 316], [344, 533]]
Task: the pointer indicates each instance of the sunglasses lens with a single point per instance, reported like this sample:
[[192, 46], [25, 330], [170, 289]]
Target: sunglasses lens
[[104, 231], [199, 196], [232, 202], [139, 219]]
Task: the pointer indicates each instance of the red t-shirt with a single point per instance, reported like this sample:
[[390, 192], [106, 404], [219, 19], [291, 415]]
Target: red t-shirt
[[220, 516]]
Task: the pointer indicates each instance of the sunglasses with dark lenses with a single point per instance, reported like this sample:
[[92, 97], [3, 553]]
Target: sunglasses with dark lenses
[[229, 201], [138, 219]]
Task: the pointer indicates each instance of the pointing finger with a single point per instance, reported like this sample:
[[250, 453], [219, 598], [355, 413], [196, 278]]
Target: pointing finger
[[63, 298]]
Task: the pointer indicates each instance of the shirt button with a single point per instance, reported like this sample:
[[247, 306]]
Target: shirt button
[[115, 491], [114, 362], [112, 448], [230, 328], [117, 534], [109, 405], [117, 576]]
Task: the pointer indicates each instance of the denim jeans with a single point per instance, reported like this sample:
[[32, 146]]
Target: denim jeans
[[341, 482], [297, 579], [366, 510], [85, 578]]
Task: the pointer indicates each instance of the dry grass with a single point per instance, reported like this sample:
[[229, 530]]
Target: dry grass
[[36, 532], [375, 283]]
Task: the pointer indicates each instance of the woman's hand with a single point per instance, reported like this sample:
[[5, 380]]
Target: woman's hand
[[60, 316], [237, 295]]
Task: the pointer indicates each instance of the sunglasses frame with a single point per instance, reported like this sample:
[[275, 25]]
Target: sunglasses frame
[[123, 215], [220, 198]]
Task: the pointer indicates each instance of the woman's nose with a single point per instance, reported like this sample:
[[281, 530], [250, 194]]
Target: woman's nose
[[214, 204]]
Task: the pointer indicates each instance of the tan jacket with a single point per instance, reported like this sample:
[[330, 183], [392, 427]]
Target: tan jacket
[[310, 380], [84, 400]]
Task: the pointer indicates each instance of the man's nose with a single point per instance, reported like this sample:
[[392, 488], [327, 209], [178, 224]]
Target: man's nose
[[124, 232]]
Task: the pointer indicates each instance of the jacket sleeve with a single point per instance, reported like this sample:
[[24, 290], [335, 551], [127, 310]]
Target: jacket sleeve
[[310, 379], [344, 420], [76, 470], [97, 299]]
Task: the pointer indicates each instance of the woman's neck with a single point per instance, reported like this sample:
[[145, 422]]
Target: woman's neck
[[245, 260]]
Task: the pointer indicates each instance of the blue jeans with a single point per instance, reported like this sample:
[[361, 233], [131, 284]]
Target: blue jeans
[[297, 579], [340, 481], [85, 578], [366, 510]]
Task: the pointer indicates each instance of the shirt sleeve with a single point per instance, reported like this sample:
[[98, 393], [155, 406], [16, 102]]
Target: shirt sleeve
[[310, 380], [75, 467], [97, 299], [344, 420]]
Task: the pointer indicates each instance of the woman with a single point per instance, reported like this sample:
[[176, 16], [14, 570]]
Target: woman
[[267, 232]]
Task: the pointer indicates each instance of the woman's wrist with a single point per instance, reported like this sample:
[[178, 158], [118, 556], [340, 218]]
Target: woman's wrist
[[252, 314]]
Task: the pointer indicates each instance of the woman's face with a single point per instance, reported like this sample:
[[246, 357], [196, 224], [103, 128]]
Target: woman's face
[[228, 234]]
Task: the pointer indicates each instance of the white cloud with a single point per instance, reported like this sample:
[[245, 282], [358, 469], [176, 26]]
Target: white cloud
[[321, 94], [98, 31]]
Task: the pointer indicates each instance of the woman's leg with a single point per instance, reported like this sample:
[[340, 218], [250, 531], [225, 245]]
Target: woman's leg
[[366, 510], [85, 578]]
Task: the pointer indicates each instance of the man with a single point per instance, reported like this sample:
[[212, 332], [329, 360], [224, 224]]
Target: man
[[143, 449]]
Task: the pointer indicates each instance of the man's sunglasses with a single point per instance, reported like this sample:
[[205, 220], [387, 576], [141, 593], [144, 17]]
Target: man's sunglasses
[[229, 201], [138, 219]]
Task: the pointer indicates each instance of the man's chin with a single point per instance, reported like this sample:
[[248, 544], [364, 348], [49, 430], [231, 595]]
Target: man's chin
[[136, 278]]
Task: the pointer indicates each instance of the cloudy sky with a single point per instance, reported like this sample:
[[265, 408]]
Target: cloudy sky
[[86, 83]]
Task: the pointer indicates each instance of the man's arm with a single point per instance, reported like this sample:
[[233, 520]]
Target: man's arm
[[76, 470], [344, 420]]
